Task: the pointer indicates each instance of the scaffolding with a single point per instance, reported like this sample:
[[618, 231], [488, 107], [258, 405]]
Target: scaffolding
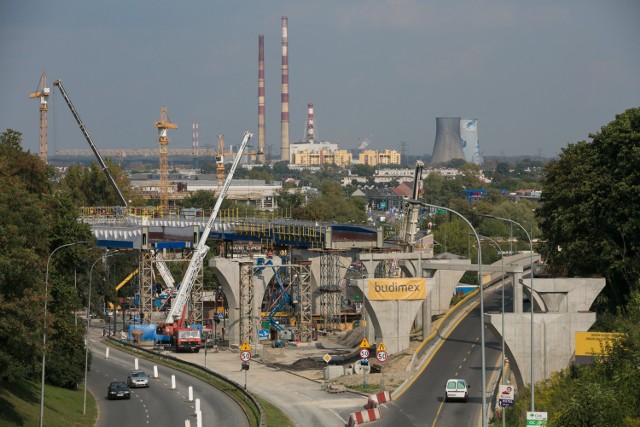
[[246, 302], [147, 258], [330, 295], [302, 272]]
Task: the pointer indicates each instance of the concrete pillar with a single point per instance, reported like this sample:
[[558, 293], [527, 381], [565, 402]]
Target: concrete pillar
[[517, 292]]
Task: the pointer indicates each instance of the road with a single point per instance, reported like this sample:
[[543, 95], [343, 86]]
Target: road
[[459, 356], [157, 405]]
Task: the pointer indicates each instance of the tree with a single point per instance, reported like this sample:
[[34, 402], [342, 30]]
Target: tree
[[89, 186], [35, 219], [331, 205], [289, 199], [589, 215]]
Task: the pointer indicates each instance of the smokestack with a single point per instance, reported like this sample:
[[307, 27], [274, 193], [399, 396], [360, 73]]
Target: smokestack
[[284, 117], [311, 125], [447, 145], [261, 122], [194, 138]]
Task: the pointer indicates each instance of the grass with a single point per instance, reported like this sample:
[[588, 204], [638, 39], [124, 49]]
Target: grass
[[275, 417], [20, 406]]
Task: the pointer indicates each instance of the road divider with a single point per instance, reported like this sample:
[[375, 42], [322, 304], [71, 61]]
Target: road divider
[[363, 417]]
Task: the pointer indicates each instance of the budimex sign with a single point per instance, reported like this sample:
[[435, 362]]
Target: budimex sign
[[402, 289]]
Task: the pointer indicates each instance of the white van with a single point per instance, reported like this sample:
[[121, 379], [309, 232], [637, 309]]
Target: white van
[[456, 388]]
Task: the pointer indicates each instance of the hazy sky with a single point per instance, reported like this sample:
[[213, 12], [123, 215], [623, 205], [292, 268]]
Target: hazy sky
[[536, 74]]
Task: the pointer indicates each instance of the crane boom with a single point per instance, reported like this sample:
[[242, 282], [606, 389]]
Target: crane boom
[[201, 249], [104, 167]]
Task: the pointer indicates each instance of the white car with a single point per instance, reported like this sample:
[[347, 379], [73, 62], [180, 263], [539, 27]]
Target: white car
[[456, 388]]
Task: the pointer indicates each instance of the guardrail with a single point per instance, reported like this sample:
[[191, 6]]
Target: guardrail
[[260, 422]]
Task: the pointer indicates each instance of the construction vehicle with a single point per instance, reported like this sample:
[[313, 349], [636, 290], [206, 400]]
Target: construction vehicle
[[174, 324], [104, 167]]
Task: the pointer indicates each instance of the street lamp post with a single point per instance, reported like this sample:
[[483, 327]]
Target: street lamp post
[[44, 330], [502, 330], [86, 339], [533, 382], [482, 343]]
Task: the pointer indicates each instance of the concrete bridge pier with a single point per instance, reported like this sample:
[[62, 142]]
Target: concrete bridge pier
[[566, 303], [227, 271]]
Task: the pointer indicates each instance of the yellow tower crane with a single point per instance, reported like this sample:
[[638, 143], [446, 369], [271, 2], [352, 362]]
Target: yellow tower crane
[[220, 161], [43, 93], [220, 158], [163, 125]]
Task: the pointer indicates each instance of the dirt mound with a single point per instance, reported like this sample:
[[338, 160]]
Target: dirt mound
[[352, 338], [300, 365]]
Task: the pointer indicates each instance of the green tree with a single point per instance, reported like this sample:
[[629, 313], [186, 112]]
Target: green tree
[[589, 214], [35, 219], [332, 206], [289, 199], [89, 186]]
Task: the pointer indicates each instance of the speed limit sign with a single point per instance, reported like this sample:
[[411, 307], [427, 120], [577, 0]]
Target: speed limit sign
[[245, 356], [382, 356], [364, 353]]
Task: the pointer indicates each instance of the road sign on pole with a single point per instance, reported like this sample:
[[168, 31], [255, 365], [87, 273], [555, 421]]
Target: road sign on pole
[[364, 353], [536, 418], [382, 356], [245, 356], [364, 343]]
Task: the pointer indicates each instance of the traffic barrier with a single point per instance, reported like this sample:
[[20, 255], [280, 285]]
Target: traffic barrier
[[378, 399], [363, 417]]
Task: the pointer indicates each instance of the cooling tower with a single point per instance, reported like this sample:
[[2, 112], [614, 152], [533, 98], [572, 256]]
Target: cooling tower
[[470, 144], [447, 145]]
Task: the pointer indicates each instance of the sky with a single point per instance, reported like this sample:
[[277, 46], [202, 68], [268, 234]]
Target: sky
[[538, 75]]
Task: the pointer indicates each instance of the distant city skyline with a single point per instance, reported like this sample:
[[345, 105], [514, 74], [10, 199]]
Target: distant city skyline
[[536, 75]]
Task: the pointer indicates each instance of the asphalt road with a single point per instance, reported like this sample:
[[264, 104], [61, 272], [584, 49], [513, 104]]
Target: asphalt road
[[459, 356], [157, 405]]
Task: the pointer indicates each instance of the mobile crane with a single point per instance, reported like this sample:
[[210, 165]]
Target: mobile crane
[[182, 337], [104, 167]]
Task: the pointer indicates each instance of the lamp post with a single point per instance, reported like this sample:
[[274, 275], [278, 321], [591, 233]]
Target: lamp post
[[533, 382], [484, 385], [502, 330], [44, 330], [86, 339]]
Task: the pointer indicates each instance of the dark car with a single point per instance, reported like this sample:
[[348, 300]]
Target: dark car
[[138, 379], [118, 390]]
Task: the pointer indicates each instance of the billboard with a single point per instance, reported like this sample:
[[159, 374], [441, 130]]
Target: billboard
[[397, 289], [594, 343], [469, 141]]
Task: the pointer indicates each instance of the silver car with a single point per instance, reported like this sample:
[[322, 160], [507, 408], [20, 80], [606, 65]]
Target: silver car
[[138, 379]]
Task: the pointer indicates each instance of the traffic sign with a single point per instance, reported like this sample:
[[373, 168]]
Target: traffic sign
[[364, 343], [364, 353], [245, 346], [382, 356], [245, 356], [381, 347], [364, 362], [536, 418], [327, 358], [506, 395]]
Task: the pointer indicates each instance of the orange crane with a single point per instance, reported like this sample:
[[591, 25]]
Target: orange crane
[[43, 93], [163, 125]]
